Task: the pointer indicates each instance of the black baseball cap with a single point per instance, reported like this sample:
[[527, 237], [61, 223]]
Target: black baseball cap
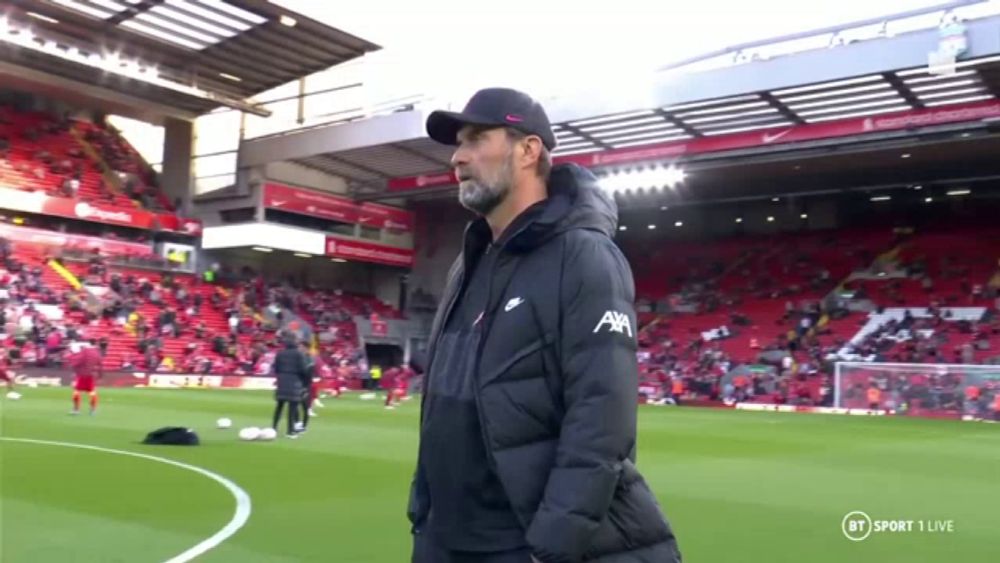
[[497, 107]]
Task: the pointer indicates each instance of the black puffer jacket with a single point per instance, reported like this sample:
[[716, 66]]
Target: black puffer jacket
[[557, 382], [291, 369]]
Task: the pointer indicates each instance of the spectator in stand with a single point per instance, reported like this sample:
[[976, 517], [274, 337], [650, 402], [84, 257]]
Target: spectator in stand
[[171, 318], [43, 156], [156, 297], [219, 345], [151, 357], [190, 363], [166, 365], [53, 343], [234, 324], [264, 364], [26, 322], [115, 284]]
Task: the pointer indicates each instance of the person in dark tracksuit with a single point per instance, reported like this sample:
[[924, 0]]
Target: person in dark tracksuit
[[290, 370], [528, 417], [310, 372]]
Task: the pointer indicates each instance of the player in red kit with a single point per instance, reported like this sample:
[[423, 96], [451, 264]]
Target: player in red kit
[[340, 379], [388, 383], [6, 373], [402, 383], [312, 396], [87, 369], [325, 373]]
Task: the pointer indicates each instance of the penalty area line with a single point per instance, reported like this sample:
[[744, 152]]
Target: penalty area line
[[240, 516]]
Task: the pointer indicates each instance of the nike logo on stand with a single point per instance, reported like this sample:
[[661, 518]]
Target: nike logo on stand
[[770, 138]]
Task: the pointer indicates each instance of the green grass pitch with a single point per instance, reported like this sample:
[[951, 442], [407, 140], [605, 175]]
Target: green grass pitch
[[737, 486]]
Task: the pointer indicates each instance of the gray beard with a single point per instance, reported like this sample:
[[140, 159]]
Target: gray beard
[[481, 198], [483, 195]]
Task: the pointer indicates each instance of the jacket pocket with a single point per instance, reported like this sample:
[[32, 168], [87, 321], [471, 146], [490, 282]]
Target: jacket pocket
[[514, 359], [416, 506], [618, 512], [637, 512]]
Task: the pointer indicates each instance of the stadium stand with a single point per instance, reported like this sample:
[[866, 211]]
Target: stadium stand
[[145, 315], [71, 158], [148, 318], [773, 301]]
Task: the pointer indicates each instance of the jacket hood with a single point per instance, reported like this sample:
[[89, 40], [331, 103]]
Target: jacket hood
[[590, 207], [575, 201]]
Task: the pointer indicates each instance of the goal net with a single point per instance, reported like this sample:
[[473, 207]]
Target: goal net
[[918, 389]]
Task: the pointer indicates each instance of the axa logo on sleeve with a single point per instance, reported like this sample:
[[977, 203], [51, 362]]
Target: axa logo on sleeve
[[617, 322]]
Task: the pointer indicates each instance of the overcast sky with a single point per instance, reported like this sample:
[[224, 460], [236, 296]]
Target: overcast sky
[[530, 43]]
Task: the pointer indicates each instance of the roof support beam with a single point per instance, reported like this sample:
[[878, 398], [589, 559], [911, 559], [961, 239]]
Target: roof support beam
[[584, 135], [782, 108], [904, 91], [678, 122]]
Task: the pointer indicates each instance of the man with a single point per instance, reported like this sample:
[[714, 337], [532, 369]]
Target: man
[[388, 383], [528, 420], [874, 397], [308, 387], [6, 371], [87, 367], [290, 370], [234, 324]]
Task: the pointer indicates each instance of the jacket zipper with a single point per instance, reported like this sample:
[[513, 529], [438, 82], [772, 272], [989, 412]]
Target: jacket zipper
[[479, 357]]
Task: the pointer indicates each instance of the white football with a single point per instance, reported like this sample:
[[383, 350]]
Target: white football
[[267, 434], [249, 434], [224, 423], [13, 395]]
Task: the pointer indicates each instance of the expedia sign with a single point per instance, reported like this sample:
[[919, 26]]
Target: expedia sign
[[87, 211]]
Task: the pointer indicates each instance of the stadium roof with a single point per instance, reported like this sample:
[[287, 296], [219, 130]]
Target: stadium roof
[[768, 90], [218, 52], [777, 110], [816, 103]]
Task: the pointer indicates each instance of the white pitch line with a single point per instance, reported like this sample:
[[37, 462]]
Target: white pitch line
[[239, 518]]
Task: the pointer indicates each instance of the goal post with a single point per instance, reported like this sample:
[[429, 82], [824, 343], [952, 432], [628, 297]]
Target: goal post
[[921, 389]]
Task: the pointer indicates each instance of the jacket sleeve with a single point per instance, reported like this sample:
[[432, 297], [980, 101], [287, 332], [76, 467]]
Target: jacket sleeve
[[598, 345]]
